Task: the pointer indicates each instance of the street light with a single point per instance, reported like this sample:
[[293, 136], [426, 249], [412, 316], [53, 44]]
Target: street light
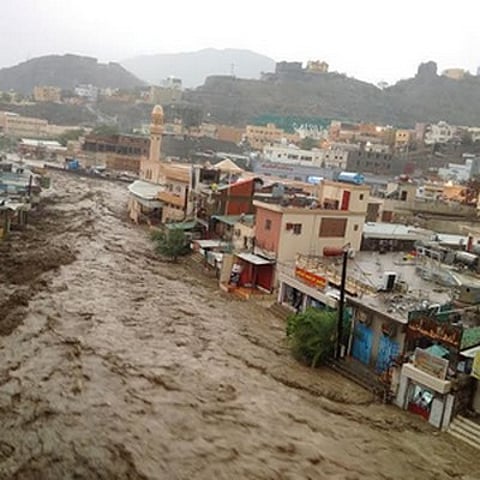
[[337, 252]]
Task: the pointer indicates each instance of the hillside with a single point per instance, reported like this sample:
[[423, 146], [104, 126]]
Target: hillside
[[65, 71], [427, 97], [194, 67]]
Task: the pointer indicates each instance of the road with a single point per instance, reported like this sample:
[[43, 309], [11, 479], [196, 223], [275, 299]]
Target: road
[[116, 365]]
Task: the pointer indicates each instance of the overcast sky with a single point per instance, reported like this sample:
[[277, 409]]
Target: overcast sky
[[371, 40]]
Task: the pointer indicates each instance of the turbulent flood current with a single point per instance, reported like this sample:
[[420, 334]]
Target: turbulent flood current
[[116, 365]]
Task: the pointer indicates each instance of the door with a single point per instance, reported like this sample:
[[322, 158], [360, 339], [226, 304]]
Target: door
[[345, 200], [362, 343], [388, 349]]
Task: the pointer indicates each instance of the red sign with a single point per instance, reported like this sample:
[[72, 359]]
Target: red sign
[[310, 278]]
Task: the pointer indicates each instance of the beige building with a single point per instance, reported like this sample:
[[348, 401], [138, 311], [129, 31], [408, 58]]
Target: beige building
[[45, 93], [404, 137], [454, 73], [335, 218], [164, 95], [317, 66], [173, 180], [15, 125], [260, 136]]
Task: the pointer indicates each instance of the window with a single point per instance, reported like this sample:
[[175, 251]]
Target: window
[[297, 229], [268, 224], [361, 196], [355, 228], [332, 227]]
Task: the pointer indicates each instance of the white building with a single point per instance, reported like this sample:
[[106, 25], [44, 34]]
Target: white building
[[293, 155], [87, 91], [440, 132]]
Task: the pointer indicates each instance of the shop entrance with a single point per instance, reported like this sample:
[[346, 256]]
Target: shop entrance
[[420, 401]]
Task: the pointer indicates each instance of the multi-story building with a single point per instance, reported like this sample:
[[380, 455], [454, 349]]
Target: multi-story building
[[89, 92], [317, 66], [117, 152], [45, 93], [164, 95], [260, 136], [293, 155], [404, 138], [440, 132], [333, 217], [380, 162], [15, 125]]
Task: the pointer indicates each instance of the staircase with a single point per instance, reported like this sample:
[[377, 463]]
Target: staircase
[[280, 311], [466, 431], [361, 376]]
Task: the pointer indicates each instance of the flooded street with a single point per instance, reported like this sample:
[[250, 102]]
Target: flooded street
[[115, 365]]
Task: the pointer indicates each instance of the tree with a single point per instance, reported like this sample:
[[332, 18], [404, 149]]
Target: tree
[[171, 243], [308, 143], [106, 130], [311, 335]]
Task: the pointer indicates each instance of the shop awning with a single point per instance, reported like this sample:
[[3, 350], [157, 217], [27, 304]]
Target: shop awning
[[210, 243], [182, 225], [254, 259]]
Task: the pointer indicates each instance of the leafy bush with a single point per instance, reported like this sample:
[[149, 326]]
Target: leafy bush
[[311, 335], [171, 243]]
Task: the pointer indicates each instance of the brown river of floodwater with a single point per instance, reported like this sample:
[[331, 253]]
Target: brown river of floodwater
[[116, 365]]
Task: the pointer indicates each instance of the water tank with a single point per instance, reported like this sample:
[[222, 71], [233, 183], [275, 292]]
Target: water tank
[[466, 258], [351, 177], [389, 279]]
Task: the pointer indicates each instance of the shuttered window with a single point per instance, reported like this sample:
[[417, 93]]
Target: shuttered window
[[332, 227]]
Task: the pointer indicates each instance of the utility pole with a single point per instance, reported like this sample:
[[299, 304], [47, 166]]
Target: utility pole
[[341, 304]]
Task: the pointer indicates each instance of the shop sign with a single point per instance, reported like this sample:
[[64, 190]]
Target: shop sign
[[310, 278], [435, 366], [476, 366], [435, 330]]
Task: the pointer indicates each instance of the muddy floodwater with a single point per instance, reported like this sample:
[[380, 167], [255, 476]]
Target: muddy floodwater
[[116, 365]]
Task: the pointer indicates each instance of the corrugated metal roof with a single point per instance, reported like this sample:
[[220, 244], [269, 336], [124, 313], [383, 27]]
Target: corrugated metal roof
[[254, 259]]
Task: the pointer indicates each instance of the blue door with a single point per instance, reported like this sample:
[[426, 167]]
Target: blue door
[[362, 343], [388, 349]]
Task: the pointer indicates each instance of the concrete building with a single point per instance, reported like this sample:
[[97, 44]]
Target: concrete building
[[440, 132], [317, 66], [454, 73], [44, 93], [14, 125], [117, 152], [404, 138], [87, 91], [164, 95], [332, 217], [260, 136], [369, 160], [293, 155]]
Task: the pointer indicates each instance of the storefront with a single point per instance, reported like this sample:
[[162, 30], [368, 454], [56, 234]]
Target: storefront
[[305, 289], [253, 271], [425, 390]]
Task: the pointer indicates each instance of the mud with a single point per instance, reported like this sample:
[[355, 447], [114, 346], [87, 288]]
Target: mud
[[115, 365]]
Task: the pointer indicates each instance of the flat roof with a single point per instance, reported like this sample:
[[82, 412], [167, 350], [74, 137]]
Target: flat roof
[[395, 231], [145, 190], [210, 243], [254, 259], [233, 219]]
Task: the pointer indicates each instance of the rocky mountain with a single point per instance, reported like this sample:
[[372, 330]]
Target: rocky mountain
[[428, 97], [65, 71], [194, 67]]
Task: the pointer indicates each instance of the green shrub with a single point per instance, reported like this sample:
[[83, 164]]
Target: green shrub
[[311, 335]]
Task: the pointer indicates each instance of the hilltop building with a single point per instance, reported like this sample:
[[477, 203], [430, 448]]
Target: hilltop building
[[44, 93]]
